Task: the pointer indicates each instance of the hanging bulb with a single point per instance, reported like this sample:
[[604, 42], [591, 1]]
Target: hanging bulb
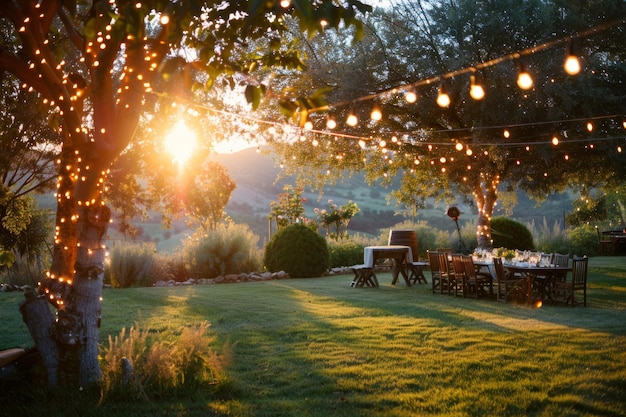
[[477, 92], [331, 123], [443, 99], [410, 96], [524, 80], [376, 114], [352, 120], [572, 63]]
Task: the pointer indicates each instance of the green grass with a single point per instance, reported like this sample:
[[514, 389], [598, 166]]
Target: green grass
[[316, 347]]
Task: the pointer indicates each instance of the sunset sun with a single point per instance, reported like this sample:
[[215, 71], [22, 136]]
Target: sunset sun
[[180, 143]]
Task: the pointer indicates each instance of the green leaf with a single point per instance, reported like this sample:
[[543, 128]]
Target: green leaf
[[90, 28], [254, 94], [6, 258]]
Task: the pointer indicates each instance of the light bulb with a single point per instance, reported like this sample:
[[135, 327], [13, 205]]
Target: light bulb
[[410, 96], [331, 123], [376, 114], [477, 92], [352, 120], [443, 99], [572, 65], [524, 80]]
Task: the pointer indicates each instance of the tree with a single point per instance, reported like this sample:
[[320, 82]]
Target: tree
[[96, 65], [563, 132], [29, 147], [207, 194], [336, 219], [289, 209]]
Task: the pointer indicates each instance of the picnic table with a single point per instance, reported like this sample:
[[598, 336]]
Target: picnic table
[[364, 274]]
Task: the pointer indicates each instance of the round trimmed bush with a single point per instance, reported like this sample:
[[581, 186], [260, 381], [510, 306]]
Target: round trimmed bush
[[510, 234], [297, 250]]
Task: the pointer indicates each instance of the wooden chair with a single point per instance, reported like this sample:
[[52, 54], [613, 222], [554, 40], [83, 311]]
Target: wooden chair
[[476, 285], [564, 290], [461, 280], [507, 288], [433, 263], [560, 260], [446, 277]]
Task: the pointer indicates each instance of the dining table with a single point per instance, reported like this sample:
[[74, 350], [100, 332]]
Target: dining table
[[538, 279], [400, 254]]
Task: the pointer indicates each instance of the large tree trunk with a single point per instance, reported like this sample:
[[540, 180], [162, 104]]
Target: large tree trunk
[[68, 343], [486, 198], [73, 337]]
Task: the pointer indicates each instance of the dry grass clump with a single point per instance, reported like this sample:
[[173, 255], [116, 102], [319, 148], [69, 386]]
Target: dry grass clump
[[149, 365]]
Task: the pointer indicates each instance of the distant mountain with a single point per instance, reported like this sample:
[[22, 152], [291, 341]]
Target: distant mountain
[[256, 177], [257, 186]]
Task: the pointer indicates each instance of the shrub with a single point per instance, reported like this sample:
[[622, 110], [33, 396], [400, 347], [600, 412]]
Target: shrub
[[132, 264], [174, 267], [583, 240], [345, 253], [229, 249], [551, 239], [297, 250], [508, 233]]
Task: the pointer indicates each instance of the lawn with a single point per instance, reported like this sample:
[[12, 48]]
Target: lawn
[[316, 347]]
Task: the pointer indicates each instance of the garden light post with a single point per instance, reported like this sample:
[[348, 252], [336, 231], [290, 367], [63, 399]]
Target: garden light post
[[454, 213]]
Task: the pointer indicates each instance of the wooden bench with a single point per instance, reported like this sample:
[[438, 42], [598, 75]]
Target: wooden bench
[[363, 276]]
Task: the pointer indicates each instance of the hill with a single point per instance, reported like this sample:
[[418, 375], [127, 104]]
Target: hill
[[256, 176]]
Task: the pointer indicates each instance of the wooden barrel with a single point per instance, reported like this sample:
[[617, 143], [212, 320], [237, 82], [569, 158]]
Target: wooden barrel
[[405, 238]]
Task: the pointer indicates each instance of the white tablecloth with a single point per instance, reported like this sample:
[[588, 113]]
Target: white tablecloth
[[368, 253]]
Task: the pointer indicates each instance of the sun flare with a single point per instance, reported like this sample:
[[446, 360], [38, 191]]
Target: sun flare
[[180, 143]]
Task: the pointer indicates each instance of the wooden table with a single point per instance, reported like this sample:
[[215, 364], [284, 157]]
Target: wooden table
[[537, 278], [364, 274]]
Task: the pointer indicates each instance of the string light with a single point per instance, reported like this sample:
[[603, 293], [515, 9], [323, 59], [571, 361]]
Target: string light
[[376, 114], [443, 99], [352, 120], [477, 92], [524, 79], [572, 63], [410, 96]]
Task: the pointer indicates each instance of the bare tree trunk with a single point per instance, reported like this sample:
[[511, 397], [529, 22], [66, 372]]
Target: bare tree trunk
[[86, 292], [38, 317], [76, 328]]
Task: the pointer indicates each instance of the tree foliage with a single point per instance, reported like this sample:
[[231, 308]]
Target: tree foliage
[[207, 193], [474, 151]]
